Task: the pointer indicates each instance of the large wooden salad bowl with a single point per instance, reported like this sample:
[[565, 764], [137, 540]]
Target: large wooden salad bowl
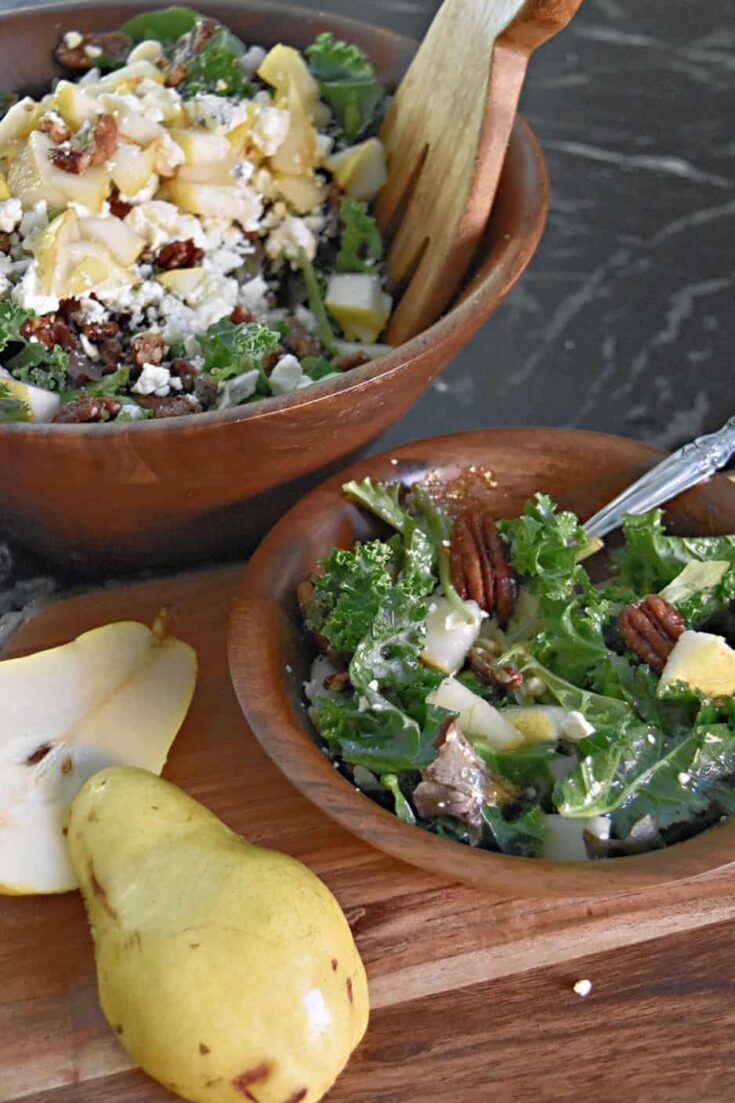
[[195, 487], [270, 654]]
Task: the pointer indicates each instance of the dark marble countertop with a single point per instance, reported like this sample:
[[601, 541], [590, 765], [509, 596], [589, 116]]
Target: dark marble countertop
[[625, 319]]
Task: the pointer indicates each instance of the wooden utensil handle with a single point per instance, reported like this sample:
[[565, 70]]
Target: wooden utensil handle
[[538, 21]]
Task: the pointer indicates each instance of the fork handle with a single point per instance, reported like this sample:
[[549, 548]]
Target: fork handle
[[678, 472]]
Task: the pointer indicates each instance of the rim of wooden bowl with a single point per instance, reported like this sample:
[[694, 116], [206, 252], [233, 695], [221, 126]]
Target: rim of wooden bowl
[[466, 315], [266, 645]]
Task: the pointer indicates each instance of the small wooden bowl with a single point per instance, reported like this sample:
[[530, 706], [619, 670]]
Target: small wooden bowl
[[98, 498], [270, 653]]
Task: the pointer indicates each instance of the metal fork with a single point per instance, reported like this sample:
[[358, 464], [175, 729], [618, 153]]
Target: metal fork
[[684, 468]]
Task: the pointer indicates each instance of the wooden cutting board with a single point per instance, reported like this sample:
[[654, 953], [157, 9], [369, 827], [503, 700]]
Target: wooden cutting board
[[419, 936]]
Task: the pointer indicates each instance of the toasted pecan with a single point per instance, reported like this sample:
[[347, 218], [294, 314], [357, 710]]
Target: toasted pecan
[[651, 628]]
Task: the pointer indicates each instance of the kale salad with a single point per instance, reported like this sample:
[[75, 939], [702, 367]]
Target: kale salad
[[185, 223], [473, 679]]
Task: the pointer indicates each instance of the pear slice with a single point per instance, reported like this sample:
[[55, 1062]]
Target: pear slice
[[476, 716], [449, 635], [361, 170], [703, 661], [41, 405], [120, 241], [114, 696]]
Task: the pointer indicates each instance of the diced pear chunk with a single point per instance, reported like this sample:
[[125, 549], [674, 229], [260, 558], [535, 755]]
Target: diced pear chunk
[[201, 147], [122, 242], [34, 177], [359, 304], [537, 723], [564, 841], [296, 154], [19, 120], [477, 717], [216, 172], [128, 75], [42, 405], [360, 170], [75, 106], [302, 193], [449, 636], [132, 168], [86, 267], [703, 661], [181, 281], [217, 200], [283, 65], [48, 247]]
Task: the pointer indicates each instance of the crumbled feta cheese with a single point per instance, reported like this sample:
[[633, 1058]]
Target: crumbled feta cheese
[[153, 379], [324, 143], [243, 170], [254, 296], [683, 778], [92, 311], [93, 52], [33, 222], [11, 213], [217, 113], [145, 194], [238, 389], [576, 727], [286, 375], [270, 129], [583, 987], [88, 348], [304, 316], [72, 39], [221, 85], [252, 59], [169, 155], [27, 294], [160, 223], [289, 239]]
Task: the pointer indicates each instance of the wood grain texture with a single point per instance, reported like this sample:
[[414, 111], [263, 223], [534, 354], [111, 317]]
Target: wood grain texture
[[188, 489], [446, 134], [497, 470], [424, 940]]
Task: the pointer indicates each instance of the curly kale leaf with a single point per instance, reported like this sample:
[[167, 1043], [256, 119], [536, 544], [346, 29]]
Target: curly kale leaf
[[349, 592], [361, 246], [544, 545], [651, 560], [216, 68], [232, 348], [524, 835], [12, 318], [347, 82]]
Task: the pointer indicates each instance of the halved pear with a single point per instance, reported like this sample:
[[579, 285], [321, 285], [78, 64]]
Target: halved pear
[[361, 170], [122, 242], [359, 304], [114, 696], [132, 168]]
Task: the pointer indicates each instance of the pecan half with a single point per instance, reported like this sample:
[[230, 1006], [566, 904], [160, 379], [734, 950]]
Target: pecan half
[[104, 140], [479, 566], [650, 628], [56, 128], [179, 254], [84, 410], [48, 330], [147, 348], [114, 45], [240, 315], [299, 341], [71, 159], [6, 243], [483, 664], [176, 405], [118, 207]]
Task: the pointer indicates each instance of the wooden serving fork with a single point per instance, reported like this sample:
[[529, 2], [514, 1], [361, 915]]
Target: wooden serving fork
[[446, 133]]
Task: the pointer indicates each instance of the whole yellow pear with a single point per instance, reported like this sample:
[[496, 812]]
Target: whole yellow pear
[[228, 971]]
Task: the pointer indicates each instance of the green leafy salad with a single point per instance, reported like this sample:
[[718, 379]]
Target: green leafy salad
[[472, 678], [186, 223]]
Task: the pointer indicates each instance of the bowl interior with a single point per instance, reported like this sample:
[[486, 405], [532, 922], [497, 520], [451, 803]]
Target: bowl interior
[[270, 654]]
